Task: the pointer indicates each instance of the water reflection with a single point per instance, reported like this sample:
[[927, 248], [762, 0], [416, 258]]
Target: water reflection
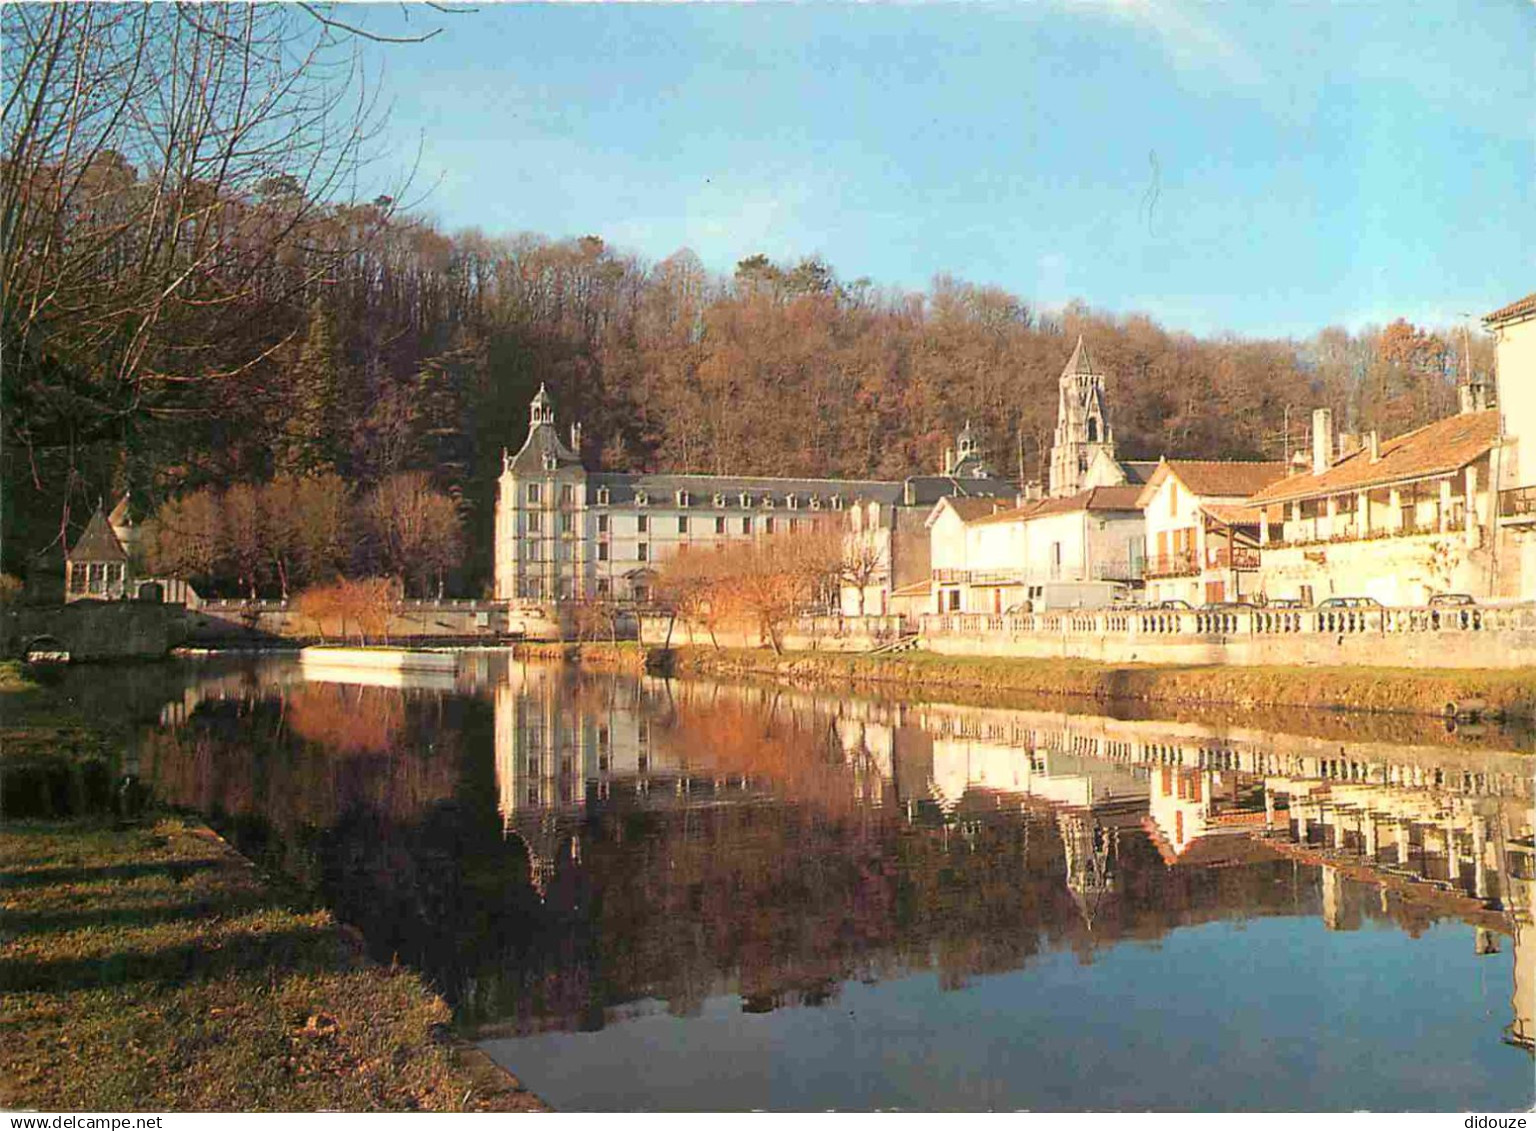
[[563, 852]]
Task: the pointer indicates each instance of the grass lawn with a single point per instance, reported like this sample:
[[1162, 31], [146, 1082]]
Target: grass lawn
[[147, 966]]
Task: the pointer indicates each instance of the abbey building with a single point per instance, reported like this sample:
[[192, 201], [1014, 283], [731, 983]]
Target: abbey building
[[565, 533]]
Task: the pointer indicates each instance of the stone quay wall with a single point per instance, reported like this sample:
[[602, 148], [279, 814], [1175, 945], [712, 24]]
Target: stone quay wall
[[1474, 637], [222, 623]]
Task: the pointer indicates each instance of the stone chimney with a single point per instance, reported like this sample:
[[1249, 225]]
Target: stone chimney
[[1349, 443], [949, 460], [1322, 440], [576, 438], [1474, 396], [1373, 443]]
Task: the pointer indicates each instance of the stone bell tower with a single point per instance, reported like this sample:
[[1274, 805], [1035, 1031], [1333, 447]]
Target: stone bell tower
[[1082, 424]]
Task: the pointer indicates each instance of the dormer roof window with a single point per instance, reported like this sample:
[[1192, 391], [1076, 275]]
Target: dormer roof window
[[642, 499], [815, 502], [792, 501], [550, 462], [746, 499], [602, 496], [719, 499], [768, 501], [683, 498], [837, 502]]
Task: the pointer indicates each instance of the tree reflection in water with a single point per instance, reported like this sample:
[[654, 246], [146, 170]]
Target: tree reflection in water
[[558, 850]]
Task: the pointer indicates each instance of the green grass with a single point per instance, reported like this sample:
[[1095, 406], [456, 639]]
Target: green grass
[[149, 967], [1426, 691]]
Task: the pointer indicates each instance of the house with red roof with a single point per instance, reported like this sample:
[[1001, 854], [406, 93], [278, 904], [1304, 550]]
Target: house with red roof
[[1202, 534]]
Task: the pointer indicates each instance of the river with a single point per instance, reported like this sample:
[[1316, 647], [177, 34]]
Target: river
[[650, 895]]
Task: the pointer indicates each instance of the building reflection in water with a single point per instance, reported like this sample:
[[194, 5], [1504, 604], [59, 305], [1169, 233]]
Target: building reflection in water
[[1409, 833]]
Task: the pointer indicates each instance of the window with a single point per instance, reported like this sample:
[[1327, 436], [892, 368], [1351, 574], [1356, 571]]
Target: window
[[746, 524], [602, 524], [837, 502], [643, 524], [682, 498], [567, 494], [602, 496], [565, 522], [602, 582], [719, 499], [642, 552], [535, 523], [550, 462], [602, 551], [815, 502], [114, 573], [768, 525], [720, 524], [77, 577], [792, 501], [642, 595], [768, 501], [1173, 499], [642, 499], [533, 550], [746, 499], [98, 576], [794, 525], [533, 494], [682, 524]]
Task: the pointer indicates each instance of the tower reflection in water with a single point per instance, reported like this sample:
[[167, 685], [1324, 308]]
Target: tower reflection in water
[[1146, 826]]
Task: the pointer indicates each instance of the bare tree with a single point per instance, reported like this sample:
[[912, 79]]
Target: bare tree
[[166, 172]]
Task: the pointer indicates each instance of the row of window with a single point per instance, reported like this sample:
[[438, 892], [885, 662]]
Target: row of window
[[94, 577], [535, 524], [534, 588], [535, 496]]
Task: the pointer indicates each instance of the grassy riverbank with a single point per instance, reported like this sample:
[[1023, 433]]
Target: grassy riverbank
[[146, 965], [1512, 692]]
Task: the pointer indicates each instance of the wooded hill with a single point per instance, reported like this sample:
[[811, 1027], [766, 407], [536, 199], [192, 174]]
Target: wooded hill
[[184, 309]]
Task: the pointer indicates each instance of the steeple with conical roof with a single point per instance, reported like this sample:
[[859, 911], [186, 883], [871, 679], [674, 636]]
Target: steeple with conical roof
[[1082, 423]]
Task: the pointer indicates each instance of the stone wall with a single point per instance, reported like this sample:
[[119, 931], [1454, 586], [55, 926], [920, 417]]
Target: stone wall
[[225, 623], [94, 630], [1479, 637]]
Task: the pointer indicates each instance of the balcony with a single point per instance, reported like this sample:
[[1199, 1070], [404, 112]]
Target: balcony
[[1518, 504], [1172, 565], [1234, 557], [1132, 569]]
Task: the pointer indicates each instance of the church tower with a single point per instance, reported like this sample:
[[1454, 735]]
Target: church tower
[[1082, 424]]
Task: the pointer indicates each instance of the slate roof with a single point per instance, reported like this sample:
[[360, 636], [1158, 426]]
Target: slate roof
[[97, 542], [1093, 499], [925, 490], [1435, 449], [1137, 471], [543, 439], [1520, 308], [662, 489]]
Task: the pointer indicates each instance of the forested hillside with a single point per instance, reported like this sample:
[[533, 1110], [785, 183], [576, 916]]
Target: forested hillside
[[215, 319]]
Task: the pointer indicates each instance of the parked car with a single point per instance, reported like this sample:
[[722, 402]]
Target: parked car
[[1349, 603], [1285, 603], [1228, 606], [1451, 600], [1173, 604]]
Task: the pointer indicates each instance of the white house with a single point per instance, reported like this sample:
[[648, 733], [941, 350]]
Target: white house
[[1005, 559], [1514, 328], [1202, 537]]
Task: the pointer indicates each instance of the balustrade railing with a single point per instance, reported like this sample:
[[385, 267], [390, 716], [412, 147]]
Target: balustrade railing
[[1256, 621], [1172, 565]]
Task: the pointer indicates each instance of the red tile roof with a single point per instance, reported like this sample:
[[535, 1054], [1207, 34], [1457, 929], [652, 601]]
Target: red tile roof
[[1226, 479], [1094, 499], [1520, 308], [1444, 446]]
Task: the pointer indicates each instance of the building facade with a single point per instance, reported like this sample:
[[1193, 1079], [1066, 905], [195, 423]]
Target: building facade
[[1514, 329], [566, 534], [1202, 537]]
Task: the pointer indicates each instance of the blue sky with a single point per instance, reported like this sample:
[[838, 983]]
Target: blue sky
[[1263, 168]]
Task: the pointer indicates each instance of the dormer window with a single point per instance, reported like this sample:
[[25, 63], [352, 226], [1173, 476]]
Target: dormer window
[[719, 499], [837, 502], [768, 501], [746, 499], [533, 494], [792, 502], [550, 462], [602, 496], [815, 502], [642, 499], [682, 498]]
